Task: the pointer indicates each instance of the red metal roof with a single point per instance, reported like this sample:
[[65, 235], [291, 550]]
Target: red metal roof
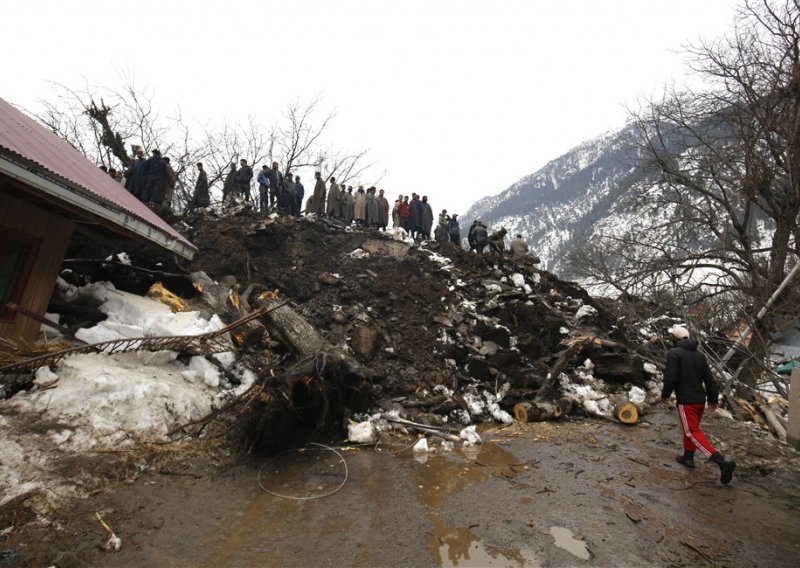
[[33, 142]]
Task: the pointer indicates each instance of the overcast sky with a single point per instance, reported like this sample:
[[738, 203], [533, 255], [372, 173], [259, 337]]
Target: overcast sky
[[455, 99]]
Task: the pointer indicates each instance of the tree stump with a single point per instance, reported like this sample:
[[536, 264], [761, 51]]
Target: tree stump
[[627, 412], [536, 411]]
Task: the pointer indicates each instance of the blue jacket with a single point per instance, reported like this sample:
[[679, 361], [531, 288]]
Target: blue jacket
[[263, 180]]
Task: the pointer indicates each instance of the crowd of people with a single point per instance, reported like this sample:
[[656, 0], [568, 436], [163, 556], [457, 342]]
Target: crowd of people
[[152, 180]]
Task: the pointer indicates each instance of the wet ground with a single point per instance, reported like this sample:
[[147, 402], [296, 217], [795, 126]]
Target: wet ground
[[547, 494]]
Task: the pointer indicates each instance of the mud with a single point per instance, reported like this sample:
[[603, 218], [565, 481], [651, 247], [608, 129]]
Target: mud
[[616, 489], [544, 494]]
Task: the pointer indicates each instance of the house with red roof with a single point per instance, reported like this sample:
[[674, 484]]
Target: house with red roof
[[48, 191]]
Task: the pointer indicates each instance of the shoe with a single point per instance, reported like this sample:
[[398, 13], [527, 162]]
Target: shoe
[[686, 461], [726, 471]]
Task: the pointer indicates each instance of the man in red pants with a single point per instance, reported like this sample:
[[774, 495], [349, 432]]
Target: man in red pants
[[688, 374]]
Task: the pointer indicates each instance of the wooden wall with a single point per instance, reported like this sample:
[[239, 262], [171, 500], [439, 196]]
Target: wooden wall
[[55, 232]]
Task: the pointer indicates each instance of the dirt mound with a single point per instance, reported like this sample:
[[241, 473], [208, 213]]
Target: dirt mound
[[438, 327]]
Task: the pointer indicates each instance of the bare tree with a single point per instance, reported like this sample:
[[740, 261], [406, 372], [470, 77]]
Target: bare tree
[[105, 124], [727, 160], [298, 135]]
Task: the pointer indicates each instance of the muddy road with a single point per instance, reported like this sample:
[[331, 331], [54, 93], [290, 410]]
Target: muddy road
[[548, 494]]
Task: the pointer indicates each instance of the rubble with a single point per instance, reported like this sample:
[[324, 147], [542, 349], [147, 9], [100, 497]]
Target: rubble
[[448, 336], [437, 334]]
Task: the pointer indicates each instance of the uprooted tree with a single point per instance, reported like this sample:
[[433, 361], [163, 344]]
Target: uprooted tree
[[726, 158]]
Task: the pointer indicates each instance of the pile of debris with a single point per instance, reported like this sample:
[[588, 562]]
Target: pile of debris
[[367, 325], [427, 332]]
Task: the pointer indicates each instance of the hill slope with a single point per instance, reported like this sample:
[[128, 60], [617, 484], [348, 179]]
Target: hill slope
[[558, 206]]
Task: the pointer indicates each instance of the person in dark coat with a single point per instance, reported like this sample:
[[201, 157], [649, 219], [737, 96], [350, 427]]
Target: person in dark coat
[[288, 196], [415, 216], [426, 214], [155, 171], [471, 235], [200, 198], [348, 205], [243, 177], [275, 184], [299, 192], [687, 374], [229, 186], [481, 237], [130, 173], [454, 230]]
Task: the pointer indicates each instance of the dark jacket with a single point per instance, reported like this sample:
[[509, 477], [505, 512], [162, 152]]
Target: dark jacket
[[687, 372], [275, 181], [453, 228], [201, 198], [480, 236], [243, 177], [415, 214], [471, 234], [230, 183]]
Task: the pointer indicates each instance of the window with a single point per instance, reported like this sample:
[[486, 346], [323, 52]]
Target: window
[[17, 254]]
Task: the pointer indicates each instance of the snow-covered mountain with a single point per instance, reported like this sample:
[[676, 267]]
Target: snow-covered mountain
[[559, 206]]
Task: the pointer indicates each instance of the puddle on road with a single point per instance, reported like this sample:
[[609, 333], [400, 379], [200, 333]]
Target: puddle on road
[[458, 546], [445, 475], [564, 539], [305, 473], [442, 476]]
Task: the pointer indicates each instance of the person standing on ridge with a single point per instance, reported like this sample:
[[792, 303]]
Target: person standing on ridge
[[275, 184], [347, 205], [201, 197], [383, 211], [332, 208], [454, 230], [299, 191], [427, 217], [689, 376], [229, 185], [318, 198], [243, 177], [471, 235], [263, 189]]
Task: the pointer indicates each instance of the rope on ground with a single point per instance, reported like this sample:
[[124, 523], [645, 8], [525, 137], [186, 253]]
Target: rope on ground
[[312, 497]]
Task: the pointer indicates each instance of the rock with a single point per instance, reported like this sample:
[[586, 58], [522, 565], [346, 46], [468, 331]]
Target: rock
[[443, 320], [328, 278], [489, 348], [363, 341]]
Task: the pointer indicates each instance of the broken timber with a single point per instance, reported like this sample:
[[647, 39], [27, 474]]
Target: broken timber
[[203, 344], [536, 411], [627, 412]]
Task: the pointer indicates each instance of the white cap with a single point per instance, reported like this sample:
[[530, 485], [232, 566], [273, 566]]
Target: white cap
[[679, 332]]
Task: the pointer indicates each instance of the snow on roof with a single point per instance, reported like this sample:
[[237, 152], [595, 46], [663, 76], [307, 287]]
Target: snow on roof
[[27, 147]]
